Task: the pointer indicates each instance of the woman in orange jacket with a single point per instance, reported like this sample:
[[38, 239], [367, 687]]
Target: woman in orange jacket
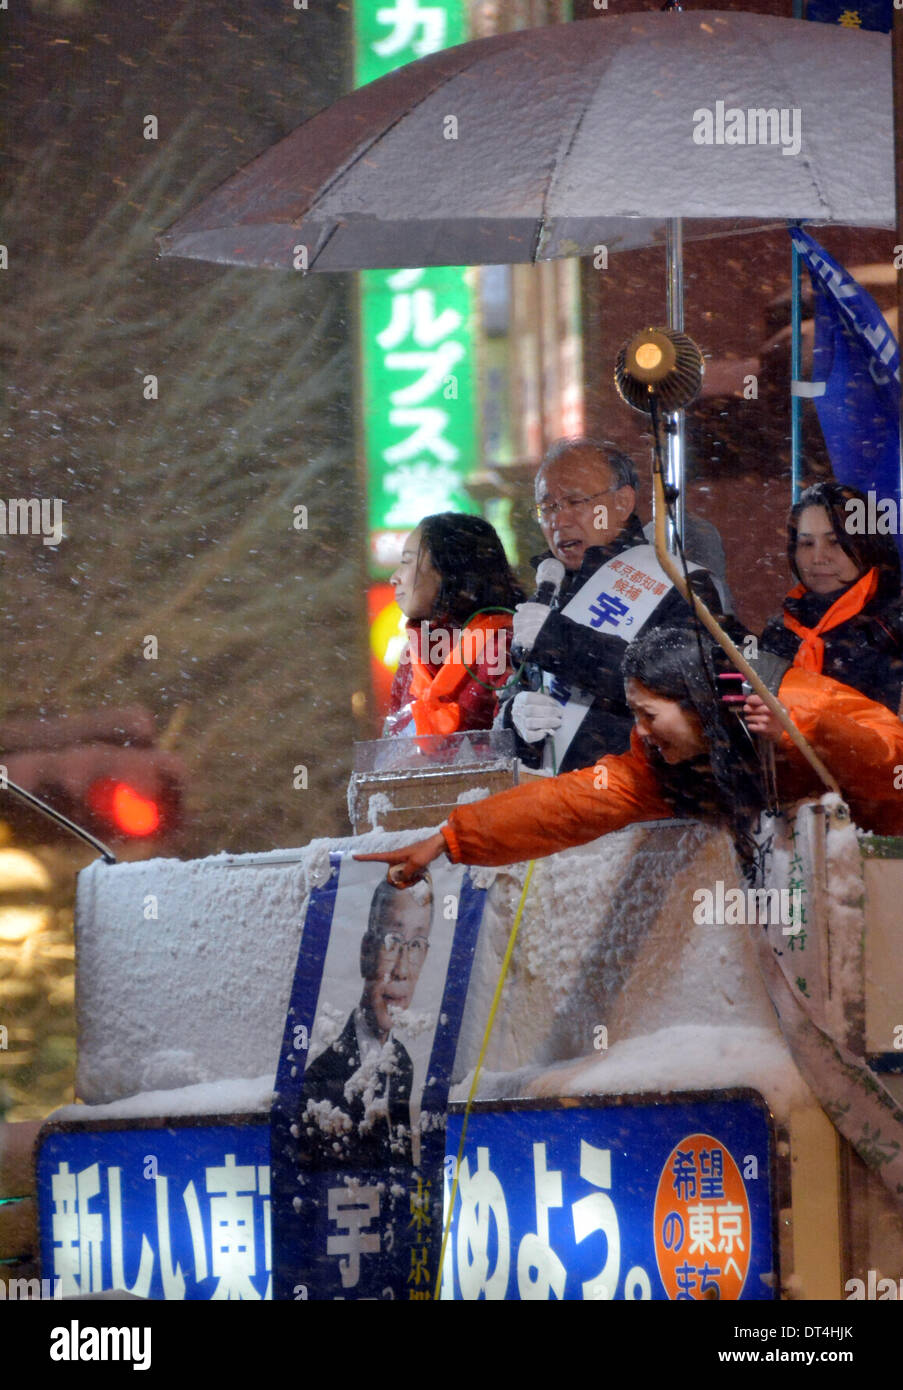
[[690, 755], [456, 588], [844, 618]]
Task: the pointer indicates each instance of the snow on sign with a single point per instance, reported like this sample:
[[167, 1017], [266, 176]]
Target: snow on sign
[[180, 1211], [664, 1197], [358, 1122]]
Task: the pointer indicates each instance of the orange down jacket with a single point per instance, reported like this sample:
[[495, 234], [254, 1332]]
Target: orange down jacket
[[861, 742]]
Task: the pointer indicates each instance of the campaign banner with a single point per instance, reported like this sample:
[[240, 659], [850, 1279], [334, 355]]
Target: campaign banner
[[165, 1209], [856, 374], [663, 1197], [358, 1122]]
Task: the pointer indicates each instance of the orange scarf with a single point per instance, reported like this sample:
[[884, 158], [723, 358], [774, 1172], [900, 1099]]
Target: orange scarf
[[434, 707], [811, 654]]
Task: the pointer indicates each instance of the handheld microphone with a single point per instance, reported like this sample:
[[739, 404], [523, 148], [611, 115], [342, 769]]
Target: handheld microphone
[[549, 576]]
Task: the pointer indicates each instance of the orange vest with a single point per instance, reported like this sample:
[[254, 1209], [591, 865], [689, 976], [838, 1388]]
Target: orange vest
[[434, 706]]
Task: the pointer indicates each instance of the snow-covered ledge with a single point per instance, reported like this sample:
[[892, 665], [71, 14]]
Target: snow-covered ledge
[[184, 972]]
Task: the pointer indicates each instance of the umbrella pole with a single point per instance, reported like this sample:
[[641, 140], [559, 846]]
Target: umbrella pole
[[714, 627], [796, 372], [898, 161], [676, 436], [796, 356]]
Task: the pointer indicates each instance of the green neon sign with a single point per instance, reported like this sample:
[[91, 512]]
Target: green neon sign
[[419, 399], [388, 35]]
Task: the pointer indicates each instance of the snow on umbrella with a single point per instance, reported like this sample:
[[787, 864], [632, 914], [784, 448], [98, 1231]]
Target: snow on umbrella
[[548, 142]]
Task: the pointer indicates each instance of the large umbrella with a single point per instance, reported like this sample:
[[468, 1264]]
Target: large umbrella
[[549, 142], [553, 142]]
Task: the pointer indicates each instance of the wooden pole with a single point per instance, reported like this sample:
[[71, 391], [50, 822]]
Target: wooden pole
[[717, 631]]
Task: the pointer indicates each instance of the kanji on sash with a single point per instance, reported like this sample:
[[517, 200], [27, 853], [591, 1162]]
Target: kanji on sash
[[607, 609]]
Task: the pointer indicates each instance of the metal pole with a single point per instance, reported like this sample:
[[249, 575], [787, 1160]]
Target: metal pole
[[897, 50], [60, 819], [675, 467], [796, 356], [676, 440], [796, 368]]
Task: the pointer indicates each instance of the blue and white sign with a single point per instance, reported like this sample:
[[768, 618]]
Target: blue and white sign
[[181, 1212], [358, 1124], [654, 1199]]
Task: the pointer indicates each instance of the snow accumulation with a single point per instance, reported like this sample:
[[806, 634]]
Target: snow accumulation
[[846, 914], [682, 1058], [607, 939], [472, 794], [233, 1097], [184, 969], [378, 805], [184, 973]]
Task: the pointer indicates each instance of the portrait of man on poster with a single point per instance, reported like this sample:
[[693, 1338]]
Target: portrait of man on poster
[[355, 1101]]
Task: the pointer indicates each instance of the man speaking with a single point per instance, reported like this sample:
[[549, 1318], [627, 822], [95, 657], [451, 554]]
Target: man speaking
[[613, 588]]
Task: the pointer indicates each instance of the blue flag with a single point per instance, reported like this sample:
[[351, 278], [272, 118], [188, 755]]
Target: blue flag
[[857, 363]]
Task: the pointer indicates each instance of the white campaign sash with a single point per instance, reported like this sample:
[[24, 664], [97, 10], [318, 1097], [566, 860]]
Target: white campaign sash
[[618, 598]]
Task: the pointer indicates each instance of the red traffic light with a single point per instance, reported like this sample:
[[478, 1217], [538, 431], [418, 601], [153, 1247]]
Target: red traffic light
[[124, 807], [129, 789]]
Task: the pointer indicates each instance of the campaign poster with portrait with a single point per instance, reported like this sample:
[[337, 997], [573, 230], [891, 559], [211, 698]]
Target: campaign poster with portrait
[[358, 1121]]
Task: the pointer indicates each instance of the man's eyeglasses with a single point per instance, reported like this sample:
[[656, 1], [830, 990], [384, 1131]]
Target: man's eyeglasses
[[416, 948], [547, 511]]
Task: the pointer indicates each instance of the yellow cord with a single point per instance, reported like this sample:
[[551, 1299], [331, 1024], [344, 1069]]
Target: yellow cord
[[512, 938]]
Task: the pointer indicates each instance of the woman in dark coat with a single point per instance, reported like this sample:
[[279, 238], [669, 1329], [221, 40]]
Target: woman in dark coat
[[452, 582], [844, 617]]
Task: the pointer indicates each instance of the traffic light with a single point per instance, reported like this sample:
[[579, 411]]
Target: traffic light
[[102, 770]]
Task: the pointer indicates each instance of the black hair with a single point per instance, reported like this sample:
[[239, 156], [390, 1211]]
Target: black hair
[[472, 565], [621, 464], [371, 942], [866, 551], [677, 664]]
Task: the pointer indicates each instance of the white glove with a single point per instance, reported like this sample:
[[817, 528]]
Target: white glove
[[533, 714], [528, 619]]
